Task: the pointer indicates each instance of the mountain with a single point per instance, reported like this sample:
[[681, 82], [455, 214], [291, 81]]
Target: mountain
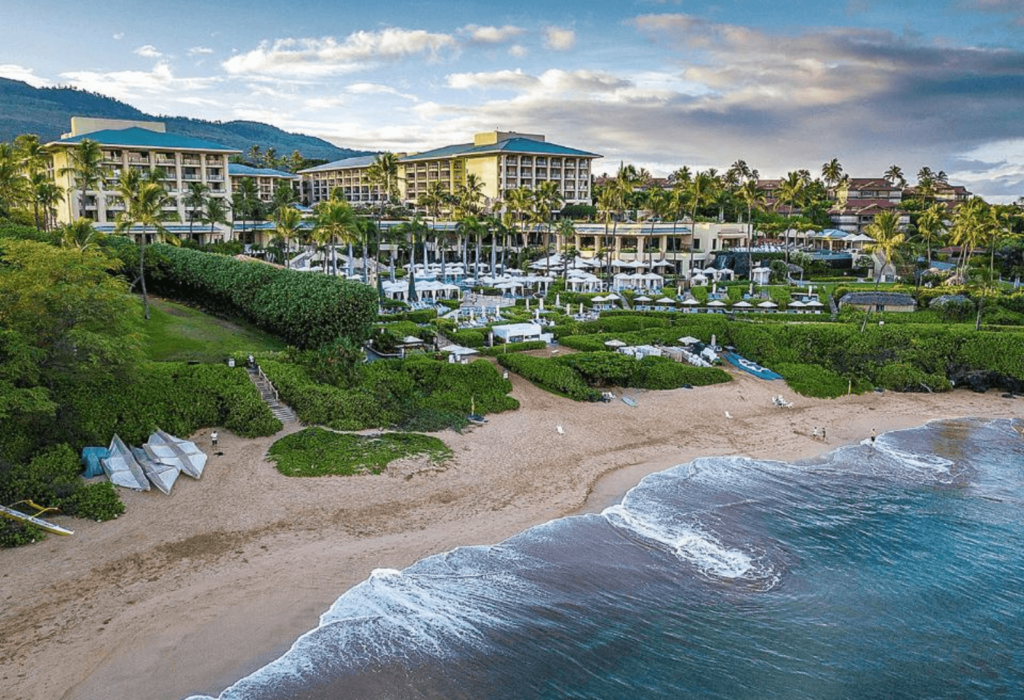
[[47, 112]]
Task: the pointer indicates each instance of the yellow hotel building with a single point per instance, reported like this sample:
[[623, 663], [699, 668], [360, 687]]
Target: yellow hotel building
[[501, 161], [144, 146]]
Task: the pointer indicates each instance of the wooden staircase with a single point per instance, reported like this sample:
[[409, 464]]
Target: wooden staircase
[[268, 393]]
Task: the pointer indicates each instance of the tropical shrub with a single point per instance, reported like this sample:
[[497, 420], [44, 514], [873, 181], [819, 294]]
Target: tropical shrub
[[318, 452], [506, 348], [550, 375]]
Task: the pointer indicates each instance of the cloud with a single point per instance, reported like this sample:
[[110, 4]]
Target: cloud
[[491, 35], [128, 85], [325, 56], [147, 51], [559, 39], [118, 36], [16, 72], [376, 89], [199, 51], [517, 51]]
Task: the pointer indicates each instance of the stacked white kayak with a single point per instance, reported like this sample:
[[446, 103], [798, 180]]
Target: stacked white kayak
[[159, 461]]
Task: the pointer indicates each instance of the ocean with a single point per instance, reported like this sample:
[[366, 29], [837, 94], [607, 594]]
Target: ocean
[[885, 570]]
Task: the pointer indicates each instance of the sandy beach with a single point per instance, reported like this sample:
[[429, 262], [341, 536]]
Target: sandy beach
[[186, 593]]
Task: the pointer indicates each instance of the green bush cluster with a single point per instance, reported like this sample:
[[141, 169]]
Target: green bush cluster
[[52, 480], [468, 338], [319, 452], [303, 309], [418, 390], [817, 381], [552, 376]]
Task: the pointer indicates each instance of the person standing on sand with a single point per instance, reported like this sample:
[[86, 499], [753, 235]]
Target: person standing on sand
[[213, 438], [872, 436]]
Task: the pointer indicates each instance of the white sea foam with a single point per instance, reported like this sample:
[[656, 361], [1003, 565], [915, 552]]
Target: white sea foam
[[687, 543]]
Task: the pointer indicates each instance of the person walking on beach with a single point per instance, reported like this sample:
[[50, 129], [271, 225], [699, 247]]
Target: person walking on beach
[[872, 436], [213, 438]]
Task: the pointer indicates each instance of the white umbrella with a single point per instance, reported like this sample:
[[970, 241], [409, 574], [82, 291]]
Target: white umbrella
[[666, 300], [642, 298], [768, 305], [688, 340], [742, 304], [615, 343], [797, 304], [690, 301], [716, 302]]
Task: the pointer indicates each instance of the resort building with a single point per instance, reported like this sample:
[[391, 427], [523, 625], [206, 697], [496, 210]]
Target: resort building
[[175, 160], [500, 160], [267, 180], [317, 183]]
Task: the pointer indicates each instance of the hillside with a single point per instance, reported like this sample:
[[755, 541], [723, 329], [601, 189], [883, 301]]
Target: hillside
[[48, 111]]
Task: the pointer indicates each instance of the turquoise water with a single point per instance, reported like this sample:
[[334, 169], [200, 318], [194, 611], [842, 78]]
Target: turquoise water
[[893, 570]]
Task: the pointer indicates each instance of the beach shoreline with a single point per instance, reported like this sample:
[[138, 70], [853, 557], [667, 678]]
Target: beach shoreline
[[188, 593]]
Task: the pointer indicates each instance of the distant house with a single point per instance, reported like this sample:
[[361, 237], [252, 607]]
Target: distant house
[[879, 301]]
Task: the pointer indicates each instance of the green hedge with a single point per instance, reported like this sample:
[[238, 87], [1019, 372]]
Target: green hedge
[[550, 375], [304, 309], [506, 348], [318, 452]]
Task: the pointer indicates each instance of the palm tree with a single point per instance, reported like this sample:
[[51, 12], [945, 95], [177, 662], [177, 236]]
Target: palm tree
[[520, 202], [832, 172], [216, 212], [80, 234], [752, 196], [85, 166], [195, 201], [287, 223], [931, 224], [659, 202], [791, 193], [335, 221], [246, 201], [383, 173], [885, 230], [894, 175], [469, 195], [46, 195], [284, 197], [12, 181], [144, 207], [702, 191], [547, 199]]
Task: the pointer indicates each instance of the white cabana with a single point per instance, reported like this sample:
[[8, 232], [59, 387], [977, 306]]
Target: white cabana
[[760, 275], [726, 274], [577, 281], [688, 340], [699, 279], [458, 351], [613, 343], [518, 332]]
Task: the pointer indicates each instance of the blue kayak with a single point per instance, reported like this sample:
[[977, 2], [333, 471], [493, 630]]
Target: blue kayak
[[750, 366]]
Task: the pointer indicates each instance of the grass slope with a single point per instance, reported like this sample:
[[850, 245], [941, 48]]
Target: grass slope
[[177, 333]]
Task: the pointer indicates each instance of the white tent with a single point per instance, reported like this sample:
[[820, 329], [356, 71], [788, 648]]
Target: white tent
[[689, 340]]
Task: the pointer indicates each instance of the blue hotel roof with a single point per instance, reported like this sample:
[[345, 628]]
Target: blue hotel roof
[[515, 144], [356, 162], [242, 170], [144, 138]]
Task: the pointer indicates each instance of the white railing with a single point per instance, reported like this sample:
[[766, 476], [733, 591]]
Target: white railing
[[265, 378]]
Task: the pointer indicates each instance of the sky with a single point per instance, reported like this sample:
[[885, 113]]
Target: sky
[[660, 84]]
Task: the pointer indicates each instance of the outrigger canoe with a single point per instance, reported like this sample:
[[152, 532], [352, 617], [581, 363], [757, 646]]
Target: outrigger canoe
[[33, 520], [122, 469], [176, 452]]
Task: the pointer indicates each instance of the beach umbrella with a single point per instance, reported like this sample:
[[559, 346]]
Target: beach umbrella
[[615, 343], [716, 302], [690, 301], [768, 305], [742, 304]]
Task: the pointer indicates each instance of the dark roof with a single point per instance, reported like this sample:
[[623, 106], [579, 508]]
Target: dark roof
[[878, 298], [136, 137]]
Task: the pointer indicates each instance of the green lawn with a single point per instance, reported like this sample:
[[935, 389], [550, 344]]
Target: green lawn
[[177, 333]]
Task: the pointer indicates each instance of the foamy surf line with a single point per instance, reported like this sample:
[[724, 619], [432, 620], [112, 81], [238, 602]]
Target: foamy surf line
[[453, 600]]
